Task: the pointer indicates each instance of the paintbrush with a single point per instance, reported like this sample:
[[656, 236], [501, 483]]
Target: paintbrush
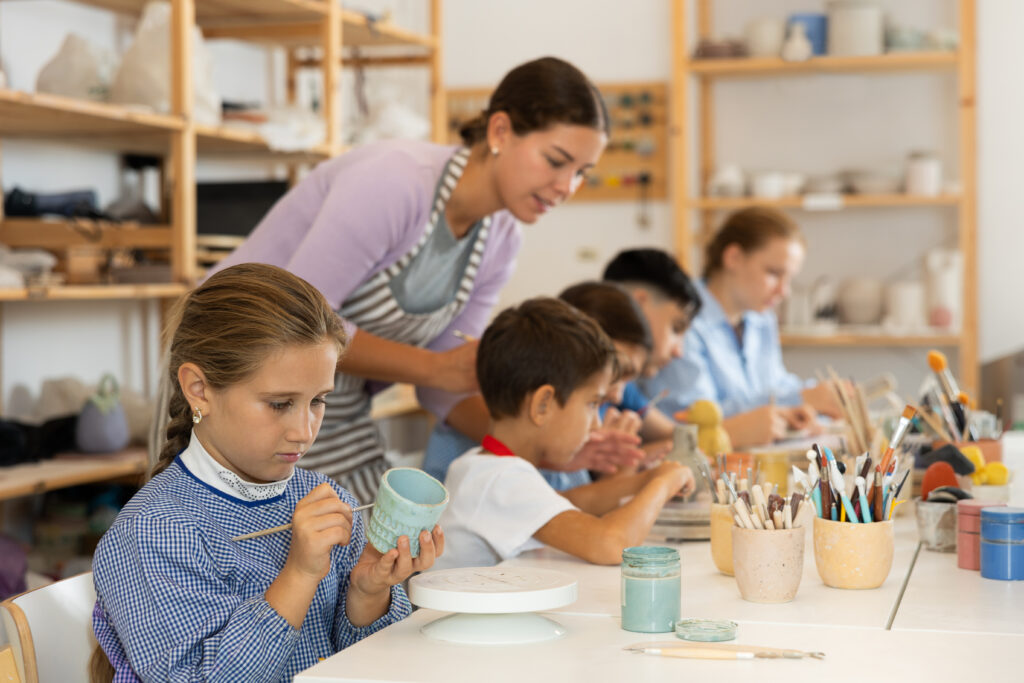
[[284, 527], [463, 336], [897, 435], [937, 362]]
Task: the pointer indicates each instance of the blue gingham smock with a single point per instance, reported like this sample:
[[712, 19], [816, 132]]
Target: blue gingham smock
[[183, 602]]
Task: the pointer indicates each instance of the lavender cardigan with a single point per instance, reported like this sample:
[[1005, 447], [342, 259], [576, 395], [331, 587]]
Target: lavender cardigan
[[358, 213]]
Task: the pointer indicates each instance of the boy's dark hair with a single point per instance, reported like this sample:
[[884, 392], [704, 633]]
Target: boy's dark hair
[[540, 341], [613, 309], [655, 269]]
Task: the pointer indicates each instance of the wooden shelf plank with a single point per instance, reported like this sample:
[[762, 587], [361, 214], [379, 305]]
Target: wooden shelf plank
[[228, 140], [768, 66], [848, 201], [53, 117], [876, 340], [70, 469], [163, 290], [231, 12], [356, 31], [59, 234], [396, 401]]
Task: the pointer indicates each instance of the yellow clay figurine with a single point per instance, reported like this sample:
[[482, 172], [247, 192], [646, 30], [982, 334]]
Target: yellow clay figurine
[[997, 474], [973, 453], [712, 438]]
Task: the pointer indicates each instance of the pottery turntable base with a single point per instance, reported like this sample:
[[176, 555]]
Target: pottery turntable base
[[493, 605]]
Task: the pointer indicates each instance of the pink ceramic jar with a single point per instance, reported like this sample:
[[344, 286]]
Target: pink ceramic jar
[[968, 532]]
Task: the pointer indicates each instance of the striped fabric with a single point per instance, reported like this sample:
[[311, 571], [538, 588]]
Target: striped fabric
[[178, 600], [350, 448]]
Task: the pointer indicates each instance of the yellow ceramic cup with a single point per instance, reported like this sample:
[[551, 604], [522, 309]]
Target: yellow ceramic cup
[[721, 537], [853, 555], [774, 467]]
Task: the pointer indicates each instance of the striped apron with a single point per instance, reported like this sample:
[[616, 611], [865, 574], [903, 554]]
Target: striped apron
[[350, 448]]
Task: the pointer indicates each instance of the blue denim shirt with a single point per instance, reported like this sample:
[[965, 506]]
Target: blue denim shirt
[[715, 366]]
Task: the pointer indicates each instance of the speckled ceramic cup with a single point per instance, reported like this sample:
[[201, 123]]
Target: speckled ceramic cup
[[408, 501], [767, 563], [853, 555]]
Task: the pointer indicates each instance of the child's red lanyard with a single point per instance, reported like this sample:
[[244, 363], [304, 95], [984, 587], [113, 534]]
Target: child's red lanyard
[[492, 445]]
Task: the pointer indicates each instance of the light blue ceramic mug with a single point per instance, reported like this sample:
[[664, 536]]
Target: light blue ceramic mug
[[408, 501]]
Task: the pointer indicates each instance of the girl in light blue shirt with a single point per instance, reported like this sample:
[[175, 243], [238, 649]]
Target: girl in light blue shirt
[[731, 353]]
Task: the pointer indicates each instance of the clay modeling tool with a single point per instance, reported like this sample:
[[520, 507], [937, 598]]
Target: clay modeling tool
[[720, 651], [787, 516], [865, 509], [463, 336], [284, 527], [897, 436]]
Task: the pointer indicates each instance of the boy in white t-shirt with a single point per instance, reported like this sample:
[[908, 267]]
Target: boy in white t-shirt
[[543, 369]]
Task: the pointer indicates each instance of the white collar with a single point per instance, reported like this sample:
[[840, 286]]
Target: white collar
[[200, 463]]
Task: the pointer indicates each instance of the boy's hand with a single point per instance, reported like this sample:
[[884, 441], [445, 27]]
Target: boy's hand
[[377, 572], [320, 521], [677, 477], [604, 451], [625, 421]]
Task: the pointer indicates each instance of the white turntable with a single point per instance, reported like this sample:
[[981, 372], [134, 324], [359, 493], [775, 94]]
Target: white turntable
[[493, 605]]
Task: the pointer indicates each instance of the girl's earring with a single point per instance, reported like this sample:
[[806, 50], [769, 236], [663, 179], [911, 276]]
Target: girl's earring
[[494, 151], [197, 416]]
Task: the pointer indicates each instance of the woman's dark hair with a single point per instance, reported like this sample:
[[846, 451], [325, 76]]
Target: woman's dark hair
[[750, 229], [613, 309], [540, 341], [539, 94]]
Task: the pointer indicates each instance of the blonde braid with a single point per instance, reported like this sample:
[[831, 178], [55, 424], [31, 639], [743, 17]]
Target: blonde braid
[[179, 429]]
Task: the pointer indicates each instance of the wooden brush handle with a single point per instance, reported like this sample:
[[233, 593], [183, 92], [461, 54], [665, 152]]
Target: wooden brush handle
[[701, 653]]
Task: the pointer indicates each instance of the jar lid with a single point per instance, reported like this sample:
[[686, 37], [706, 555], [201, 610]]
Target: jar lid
[[706, 630], [1003, 515], [972, 507], [649, 553]]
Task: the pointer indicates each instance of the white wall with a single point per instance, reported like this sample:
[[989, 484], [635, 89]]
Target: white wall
[[759, 123]]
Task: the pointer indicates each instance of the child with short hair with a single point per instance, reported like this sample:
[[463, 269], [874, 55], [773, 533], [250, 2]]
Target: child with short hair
[[252, 358], [544, 369]]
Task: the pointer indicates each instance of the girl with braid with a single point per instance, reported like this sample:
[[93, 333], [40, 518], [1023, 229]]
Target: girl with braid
[[252, 360]]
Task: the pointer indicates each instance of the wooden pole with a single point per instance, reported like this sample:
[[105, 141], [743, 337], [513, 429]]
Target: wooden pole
[[331, 39], [678, 143], [183, 145], [438, 101], [970, 375]]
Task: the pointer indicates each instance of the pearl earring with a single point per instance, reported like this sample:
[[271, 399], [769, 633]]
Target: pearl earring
[[197, 416], [494, 151]]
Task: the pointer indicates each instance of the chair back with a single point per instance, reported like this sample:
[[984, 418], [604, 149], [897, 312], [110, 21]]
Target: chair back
[[50, 630]]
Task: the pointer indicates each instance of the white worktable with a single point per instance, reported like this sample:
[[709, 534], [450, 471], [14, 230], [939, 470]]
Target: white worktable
[[950, 624], [707, 593], [592, 653]]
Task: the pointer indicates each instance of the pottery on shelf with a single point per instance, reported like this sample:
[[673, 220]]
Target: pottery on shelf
[[798, 47]]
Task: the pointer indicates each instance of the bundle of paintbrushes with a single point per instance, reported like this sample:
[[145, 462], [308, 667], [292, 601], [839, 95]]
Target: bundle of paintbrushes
[[869, 495], [756, 506], [948, 413], [850, 398]]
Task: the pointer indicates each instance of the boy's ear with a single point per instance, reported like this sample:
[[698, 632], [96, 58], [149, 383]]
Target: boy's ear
[[540, 404], [732, 256], [195, 387]]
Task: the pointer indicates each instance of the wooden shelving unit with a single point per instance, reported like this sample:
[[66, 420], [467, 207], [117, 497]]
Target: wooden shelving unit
[[70, 469], [693, 86], [323, 31]]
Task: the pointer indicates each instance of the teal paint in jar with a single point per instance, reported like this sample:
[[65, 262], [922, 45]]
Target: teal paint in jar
[[650, 589]]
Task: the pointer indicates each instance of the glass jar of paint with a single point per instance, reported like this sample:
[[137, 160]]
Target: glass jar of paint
[[650, 589]]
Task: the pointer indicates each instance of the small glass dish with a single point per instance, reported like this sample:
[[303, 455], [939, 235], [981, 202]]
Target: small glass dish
[[706, 630]]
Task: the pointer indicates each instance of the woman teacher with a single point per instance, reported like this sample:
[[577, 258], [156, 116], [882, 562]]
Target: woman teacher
[[411, 242]]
